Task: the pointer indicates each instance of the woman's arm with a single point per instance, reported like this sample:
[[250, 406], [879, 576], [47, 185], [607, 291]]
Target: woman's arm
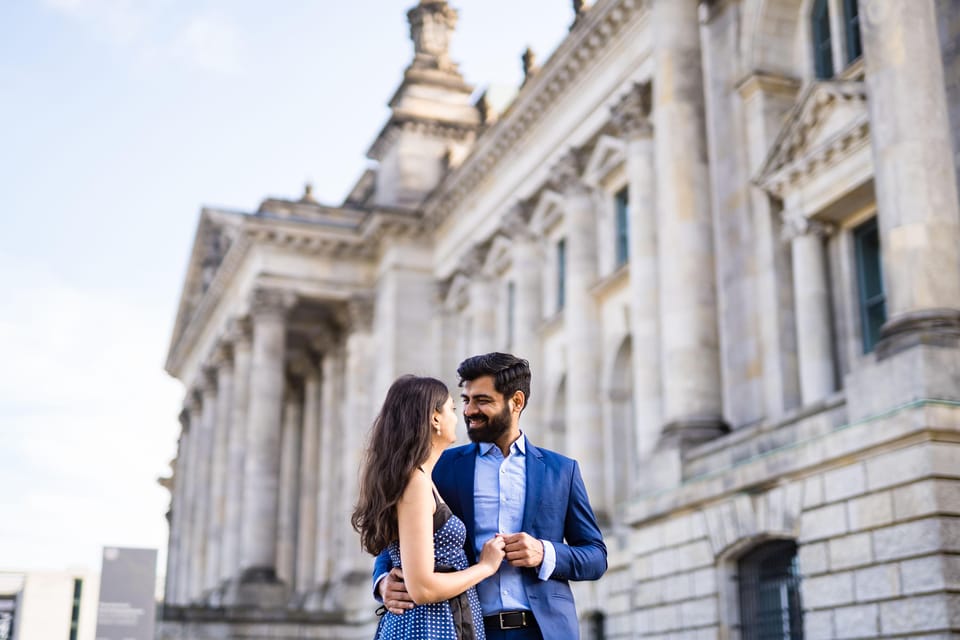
[[415, 516]]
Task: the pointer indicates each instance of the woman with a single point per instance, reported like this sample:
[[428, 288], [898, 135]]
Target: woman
[[399, 509]]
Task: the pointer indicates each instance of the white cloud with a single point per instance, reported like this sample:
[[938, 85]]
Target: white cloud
[[89, 421]]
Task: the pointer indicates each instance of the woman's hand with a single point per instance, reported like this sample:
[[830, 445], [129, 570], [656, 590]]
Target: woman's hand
[[492, 553]]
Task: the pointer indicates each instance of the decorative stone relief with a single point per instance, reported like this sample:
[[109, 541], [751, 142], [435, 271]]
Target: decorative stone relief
[[631, 115]]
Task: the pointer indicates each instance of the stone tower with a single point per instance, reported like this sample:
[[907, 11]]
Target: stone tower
[[432, 122]]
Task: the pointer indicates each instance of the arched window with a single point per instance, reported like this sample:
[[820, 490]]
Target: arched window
[[851, 18], [770, 593], [822, 48]]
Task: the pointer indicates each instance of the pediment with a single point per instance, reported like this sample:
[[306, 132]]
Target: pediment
[[827, 121], [547, 212], [608, 154], [216, 232]]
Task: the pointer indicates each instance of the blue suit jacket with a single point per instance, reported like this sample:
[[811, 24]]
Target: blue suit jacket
[[557, 509]]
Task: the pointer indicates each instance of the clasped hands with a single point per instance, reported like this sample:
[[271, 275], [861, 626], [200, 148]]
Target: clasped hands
[[520, 550]]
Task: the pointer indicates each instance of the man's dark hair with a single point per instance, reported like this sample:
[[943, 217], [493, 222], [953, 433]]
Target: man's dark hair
[[510, 373]]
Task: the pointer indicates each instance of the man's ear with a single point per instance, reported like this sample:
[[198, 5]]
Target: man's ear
[[519, 400]]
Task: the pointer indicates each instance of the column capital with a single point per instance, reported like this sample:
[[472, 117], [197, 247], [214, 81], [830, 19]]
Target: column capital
[[271, 302], [221, 356], [360, 310], [515, 223], [239, 332], [302, 363], [324, 337], [631, 115], [796, 224], [567, 174]]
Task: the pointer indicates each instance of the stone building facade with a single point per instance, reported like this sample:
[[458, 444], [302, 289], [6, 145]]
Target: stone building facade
[[726, 235]]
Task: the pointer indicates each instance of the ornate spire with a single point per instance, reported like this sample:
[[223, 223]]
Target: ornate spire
[[431, 24]]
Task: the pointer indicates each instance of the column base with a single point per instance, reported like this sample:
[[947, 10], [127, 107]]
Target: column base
[[932, 327], [257, 587]]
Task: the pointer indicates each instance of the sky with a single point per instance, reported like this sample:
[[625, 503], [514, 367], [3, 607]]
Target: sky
[[119, 120]]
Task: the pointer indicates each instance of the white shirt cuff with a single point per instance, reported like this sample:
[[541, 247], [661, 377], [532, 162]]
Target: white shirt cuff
[[376, 586], [549, 560]]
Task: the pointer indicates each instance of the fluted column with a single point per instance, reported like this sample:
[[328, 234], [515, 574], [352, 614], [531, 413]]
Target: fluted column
[[175, 548], [188, 565], [918, 209], [331, 424], [811, 294], [690, 358], [269, 310], [309, 474], [223, 363], [201, 468], [290, 445], [581, 325], [632, 117], [238, 334]]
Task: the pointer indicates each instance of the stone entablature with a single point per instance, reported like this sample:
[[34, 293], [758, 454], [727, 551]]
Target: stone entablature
[[575, 56]]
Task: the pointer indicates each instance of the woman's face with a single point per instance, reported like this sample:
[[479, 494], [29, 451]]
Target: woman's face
[[447, 419]]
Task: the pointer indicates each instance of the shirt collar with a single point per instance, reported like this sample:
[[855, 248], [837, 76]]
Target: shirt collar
[[518, 447]]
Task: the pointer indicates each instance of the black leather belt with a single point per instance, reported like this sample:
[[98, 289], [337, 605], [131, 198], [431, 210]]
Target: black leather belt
[[506, 620]]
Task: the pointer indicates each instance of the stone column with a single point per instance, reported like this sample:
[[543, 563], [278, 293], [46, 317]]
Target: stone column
[[352, 568], [188, 565], [483, 310], [811, 293], [309, 475], [290, 446], [201, 474], [259, 584], [918, 210], [581, 327], [238, 334], [175, 549], [527, 261], [222, 361], [331, 423], [632, 117], [692, 404]]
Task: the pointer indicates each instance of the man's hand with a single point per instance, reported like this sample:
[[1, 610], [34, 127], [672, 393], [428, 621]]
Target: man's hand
[[394, 594], [523, 550]]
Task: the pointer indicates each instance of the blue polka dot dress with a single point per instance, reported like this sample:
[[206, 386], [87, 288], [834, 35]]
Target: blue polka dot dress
[[440, 620]]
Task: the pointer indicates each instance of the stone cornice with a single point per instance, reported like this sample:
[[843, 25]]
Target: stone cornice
[[590, 36], [794, 157], [409, 123]]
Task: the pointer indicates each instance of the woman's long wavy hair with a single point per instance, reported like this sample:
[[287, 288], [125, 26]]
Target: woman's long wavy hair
[[399, 442]]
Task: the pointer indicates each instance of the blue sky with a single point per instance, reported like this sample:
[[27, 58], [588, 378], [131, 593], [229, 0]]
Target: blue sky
[[119, 119]]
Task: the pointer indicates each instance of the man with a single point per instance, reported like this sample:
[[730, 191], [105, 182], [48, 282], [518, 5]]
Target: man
[[534, 497]]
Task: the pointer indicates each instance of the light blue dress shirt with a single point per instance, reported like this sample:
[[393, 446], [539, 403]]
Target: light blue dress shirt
[[499, 496]]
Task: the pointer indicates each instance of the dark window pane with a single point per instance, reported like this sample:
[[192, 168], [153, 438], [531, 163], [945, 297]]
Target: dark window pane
[[561, 274], [822, 51], [873, 307], [622, 200], [852, 20]]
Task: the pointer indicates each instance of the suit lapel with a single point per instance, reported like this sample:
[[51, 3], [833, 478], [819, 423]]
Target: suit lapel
[[536, 470], [463, 476]]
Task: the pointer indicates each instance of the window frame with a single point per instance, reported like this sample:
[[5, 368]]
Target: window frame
[[621, 227], [752, 584], [868, 303]]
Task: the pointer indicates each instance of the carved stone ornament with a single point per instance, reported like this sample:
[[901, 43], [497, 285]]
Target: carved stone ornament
[[272, 302], [567, 174], [360, 312], [239, 332], [796, 224], [515, 223], [431, 25], [631, 115]]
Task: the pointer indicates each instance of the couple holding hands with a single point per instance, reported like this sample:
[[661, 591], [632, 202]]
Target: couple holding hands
[[479, 541]]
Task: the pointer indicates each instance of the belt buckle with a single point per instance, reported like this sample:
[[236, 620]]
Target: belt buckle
[[506, 627]]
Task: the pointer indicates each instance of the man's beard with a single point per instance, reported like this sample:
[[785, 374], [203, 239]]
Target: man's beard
[[492, 430]]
